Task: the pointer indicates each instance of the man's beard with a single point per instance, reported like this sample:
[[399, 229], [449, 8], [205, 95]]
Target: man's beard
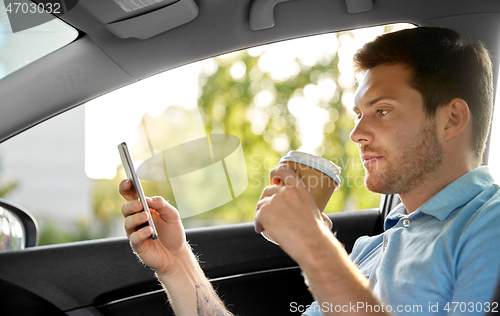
[[408, 170]]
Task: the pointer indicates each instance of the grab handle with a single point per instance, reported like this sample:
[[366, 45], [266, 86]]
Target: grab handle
[[262, 14]]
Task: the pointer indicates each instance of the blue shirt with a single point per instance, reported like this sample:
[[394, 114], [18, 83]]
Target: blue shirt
[[442, 259]]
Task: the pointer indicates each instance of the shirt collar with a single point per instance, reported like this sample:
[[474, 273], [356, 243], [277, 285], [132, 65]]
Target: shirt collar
[[456, 194], [393, 217]]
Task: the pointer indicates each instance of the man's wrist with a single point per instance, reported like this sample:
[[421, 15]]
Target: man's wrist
[[313, 246], [328, 260], [185, 263], [188, 289]]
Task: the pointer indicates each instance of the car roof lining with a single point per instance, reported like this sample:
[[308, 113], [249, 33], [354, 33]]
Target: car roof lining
[[100, 62], [108, 11], [78, 72]]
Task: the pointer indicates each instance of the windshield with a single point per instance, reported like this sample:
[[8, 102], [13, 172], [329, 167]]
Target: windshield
[[26, 37]]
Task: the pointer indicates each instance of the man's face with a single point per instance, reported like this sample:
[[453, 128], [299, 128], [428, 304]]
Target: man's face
[[397, 141]]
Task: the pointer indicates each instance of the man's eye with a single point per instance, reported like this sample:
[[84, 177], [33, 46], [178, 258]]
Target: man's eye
[[382, 112]]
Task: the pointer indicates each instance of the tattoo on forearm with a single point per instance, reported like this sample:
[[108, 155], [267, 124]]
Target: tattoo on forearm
[[207, 303]]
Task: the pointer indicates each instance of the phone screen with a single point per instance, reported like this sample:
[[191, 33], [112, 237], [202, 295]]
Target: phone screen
[[130, 171]]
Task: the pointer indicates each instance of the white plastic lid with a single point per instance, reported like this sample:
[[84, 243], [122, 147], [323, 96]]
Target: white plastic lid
[[321, 164]]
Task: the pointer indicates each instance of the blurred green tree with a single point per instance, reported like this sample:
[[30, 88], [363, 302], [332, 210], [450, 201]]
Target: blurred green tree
[[240, 98]]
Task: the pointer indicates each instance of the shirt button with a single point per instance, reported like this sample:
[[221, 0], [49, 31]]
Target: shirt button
[[406, 223]]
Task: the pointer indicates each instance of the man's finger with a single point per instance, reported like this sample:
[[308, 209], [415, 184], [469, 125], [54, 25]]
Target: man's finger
[[270, 191], [263, 206], [134, 221], [131, 207], [328, 222], [163, 208], [139, 236], [127, 190], [259, 228], [262, 201], [285, 175]]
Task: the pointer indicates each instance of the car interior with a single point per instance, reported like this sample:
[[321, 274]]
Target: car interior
[[121, 42]]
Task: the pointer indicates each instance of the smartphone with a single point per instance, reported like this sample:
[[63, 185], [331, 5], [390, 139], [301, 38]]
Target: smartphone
[[131, 175]]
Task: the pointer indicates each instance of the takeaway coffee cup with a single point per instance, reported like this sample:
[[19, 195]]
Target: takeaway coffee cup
[[320, 176]]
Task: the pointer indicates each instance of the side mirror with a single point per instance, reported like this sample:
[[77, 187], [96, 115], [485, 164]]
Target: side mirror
[[18, 228]]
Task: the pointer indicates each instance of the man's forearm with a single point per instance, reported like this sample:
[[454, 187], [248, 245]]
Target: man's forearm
[[333, 278], [189, 291]]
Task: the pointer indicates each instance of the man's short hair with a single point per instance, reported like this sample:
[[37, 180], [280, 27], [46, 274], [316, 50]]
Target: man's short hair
[[444, 67]]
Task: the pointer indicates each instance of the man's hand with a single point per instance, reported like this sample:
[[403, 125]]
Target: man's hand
[[176, 267], [290, 217], [160, 254], [287, 212]]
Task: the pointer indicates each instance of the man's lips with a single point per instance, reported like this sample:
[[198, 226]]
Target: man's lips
[[369, 160]]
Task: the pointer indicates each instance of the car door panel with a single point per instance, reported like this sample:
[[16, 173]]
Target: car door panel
[[244, 267]]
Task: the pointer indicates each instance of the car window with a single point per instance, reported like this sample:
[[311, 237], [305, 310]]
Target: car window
[[204, 136]]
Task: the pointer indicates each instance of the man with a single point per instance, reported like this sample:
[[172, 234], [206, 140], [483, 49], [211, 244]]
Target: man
[[424, 109]]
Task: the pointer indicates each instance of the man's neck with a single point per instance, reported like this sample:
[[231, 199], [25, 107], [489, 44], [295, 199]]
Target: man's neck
[[432, 184]]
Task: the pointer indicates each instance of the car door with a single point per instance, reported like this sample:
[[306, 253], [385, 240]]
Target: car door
[[104, 277]]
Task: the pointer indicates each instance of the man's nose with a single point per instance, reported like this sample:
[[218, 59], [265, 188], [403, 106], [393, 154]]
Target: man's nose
[[361, 133]]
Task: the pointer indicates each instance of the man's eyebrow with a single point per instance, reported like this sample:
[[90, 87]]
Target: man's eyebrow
[[377, 100]]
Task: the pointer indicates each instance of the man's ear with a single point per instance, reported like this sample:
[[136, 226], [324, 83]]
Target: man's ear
[[456, 116]]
